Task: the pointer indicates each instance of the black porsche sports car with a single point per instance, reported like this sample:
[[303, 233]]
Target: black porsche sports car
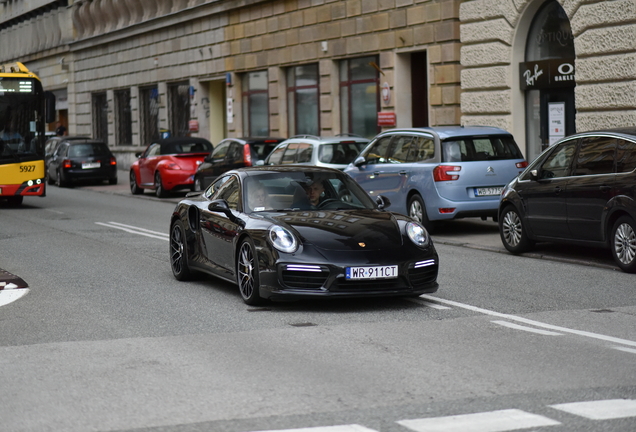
[[297, 231]]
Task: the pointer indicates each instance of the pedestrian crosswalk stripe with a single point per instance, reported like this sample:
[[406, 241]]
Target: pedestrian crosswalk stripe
[[340, 428], [600, 410], [493, 421]]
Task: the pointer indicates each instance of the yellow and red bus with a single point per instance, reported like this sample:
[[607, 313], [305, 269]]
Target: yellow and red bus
[[25, 108]]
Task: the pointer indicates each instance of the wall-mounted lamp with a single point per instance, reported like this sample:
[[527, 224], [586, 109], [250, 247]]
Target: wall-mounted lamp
[[323, 46]]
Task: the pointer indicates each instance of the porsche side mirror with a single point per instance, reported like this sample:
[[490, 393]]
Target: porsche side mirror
[[219, 206], [359, 161], [382, 202]]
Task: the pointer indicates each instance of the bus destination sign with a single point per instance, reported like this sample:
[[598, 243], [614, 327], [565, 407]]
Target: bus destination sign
[[16, 85]]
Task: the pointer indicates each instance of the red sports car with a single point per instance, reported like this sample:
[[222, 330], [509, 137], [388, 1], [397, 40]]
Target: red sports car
[[168, 164]]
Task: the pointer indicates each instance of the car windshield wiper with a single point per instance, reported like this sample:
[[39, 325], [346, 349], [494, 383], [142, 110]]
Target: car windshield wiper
[[10, 152]]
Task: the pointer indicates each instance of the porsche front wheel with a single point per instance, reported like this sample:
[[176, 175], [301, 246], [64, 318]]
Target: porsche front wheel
[[247, 273], [178, 252]]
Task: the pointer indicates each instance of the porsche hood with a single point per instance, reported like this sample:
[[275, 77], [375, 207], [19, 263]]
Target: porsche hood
[[344, 230]]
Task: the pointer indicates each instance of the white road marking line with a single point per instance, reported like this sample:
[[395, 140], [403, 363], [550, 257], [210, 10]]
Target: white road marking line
[[532, 322], [139, 229], [493, 421], [341, 428], [10, 295], [600, 410], [629, 350], [427, 303], [135, 230], [528, 329]]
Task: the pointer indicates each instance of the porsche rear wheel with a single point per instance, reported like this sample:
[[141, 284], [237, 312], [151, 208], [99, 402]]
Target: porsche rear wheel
[[159, 191], [178, 252], [247, 274], [134, 187]]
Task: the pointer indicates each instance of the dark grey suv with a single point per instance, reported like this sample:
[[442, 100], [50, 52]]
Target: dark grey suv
[[582, 191]]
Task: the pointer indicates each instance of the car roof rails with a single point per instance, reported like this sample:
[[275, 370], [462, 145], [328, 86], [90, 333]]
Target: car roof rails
[[349, 135], [306, 136]]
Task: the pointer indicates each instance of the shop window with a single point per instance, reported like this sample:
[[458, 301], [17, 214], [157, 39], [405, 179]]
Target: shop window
[[302, 100], [359, 96], [255, 100]]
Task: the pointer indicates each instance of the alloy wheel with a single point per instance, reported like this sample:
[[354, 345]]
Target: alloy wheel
[[511, 227], [415, 211], [625, 243], [177, 247], [246, 271]]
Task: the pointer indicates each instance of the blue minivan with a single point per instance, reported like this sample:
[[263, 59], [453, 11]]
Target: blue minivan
[[439, 173]]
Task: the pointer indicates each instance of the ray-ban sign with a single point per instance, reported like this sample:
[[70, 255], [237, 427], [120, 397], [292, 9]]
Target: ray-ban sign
[[547, 74]]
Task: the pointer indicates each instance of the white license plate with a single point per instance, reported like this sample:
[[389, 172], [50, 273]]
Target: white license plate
[[375, 272], [488, 191], [90, 165]]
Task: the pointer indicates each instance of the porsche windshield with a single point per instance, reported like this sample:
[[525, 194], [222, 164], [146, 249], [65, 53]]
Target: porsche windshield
[[303, 190]]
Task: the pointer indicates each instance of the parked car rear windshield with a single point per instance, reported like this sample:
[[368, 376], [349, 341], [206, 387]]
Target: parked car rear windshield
[[261, 150], [469, 149], [340, 153], [88, 149]]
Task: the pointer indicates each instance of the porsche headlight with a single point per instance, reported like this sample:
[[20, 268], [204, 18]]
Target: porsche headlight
[[417, 233], [283, 239]]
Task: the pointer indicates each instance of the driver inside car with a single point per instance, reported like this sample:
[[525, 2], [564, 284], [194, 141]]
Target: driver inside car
[[314, 192]]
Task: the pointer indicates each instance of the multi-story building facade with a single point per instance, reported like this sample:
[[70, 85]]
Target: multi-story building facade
[[127, 71], [543, 69]]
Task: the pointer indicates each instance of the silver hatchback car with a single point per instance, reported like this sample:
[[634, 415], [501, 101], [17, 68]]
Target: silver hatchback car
[[439, 173], [327, 152]]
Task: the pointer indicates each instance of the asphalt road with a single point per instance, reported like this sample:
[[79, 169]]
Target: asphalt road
[[107, 340]]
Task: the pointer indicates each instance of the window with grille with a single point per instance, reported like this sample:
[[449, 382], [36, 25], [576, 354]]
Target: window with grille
[[179, 99], [100, 116], [149, 114], [123, 117]]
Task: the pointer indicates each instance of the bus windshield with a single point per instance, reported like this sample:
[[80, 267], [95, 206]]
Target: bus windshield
[[21, 120]]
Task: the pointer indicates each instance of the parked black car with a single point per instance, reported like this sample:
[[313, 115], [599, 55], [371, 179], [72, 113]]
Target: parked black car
[[284, 232], [81, 159], [53, 142], [582, 191], [233, 153]]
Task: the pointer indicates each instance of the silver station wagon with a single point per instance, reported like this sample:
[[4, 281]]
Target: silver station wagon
[[439, 173]]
